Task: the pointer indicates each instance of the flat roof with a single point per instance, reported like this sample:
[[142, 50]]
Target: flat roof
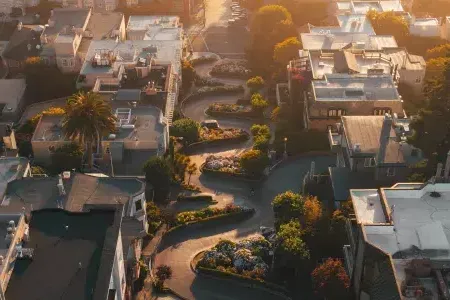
[[357, 23], [130, 51], [363, 7], [145, 22], [147, 129], [49, 128], [326, 40], [368, 207], [12, 91], [344, 87], [356, 61], [73, 256]]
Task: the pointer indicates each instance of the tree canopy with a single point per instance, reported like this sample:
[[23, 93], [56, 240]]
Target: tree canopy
[[330, 281], [255, 83], [292, 248], [254, 162], [186, 128], [158, 173], [188, 74], [66, 158], [286, 50], [438, 51], [287, 206], [259, 104], [272, 24], [388, 23], [87, 119]]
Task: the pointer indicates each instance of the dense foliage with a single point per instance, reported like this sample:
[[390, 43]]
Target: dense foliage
[[389, 23], [68, 157], [286, 51], [255, 84], [330, 281], [253, 162], [259, 104], [186, 128], [158, 173]]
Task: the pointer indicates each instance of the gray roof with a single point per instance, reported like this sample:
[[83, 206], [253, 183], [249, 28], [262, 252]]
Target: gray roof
[[62, 241], [34, 193], [345, 62], [66, 18], [340, 40]]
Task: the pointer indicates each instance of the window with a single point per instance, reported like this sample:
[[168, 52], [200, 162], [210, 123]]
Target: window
[[381, 111], [64, 62], [369, 162], [138, 205], [390, 172], [418, 80], [336, 112]]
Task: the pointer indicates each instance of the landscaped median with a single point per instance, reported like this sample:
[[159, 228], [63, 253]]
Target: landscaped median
[[229, 213], [231, 110], [245, 262]]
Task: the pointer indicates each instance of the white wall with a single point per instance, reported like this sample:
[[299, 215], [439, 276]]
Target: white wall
[[118, 274]]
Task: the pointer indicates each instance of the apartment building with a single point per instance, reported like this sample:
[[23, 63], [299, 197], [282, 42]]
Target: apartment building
[[340, 95], [398, 241], [371, 152], [363, 7]]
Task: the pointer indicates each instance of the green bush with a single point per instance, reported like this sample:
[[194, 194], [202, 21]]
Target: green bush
[[261, 143], [186, 128], [194, 198], [253, 162], [259, 104], [255, 84]]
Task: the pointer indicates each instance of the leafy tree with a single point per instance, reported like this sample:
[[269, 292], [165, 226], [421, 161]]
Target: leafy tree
[[312, 209], [188, 74], [45, 82], [435, 68], [66, 158], [87, 119], [260, 130], [272, 24], [158, 173], [163, 273], [191, 170], [259, 104], [291, 250], [287, 206], [438, 51], [186, 128], [388, 23], [180, 164], [330, 281], [417, 177], [255, 84], [254, 162], [286, 51]]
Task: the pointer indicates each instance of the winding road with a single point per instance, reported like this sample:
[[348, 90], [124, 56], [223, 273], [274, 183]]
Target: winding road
[[178, 248]]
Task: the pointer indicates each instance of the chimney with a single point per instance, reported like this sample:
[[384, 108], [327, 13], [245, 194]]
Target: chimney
[[447, 167], [384, 137]]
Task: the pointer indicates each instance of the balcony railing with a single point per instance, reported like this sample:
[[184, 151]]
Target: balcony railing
[[334, 139]]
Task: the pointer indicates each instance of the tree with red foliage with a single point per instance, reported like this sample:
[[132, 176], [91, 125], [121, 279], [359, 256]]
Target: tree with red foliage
[[330, 281]]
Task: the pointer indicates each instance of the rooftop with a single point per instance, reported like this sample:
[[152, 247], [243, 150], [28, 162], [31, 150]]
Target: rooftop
[[338, 40], [101, 26], [12, 91], [363, 7], [410, 223], [146, 22], [34, 193], [344, 87], [131, 52], [366, 131], [64, 20], [141, 125], [23, 43], [49, 128], [347, 23], [70, 259]]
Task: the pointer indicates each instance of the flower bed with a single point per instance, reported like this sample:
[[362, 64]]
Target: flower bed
[[218, 90], [205, 81], [231, 68], [222, 134], [226, 164], [235, 110], [245, 261], [203, 60]]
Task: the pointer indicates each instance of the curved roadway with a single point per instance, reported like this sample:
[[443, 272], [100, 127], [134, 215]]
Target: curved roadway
[[178, 249]]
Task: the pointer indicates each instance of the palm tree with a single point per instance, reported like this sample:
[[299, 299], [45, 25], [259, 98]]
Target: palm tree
[[191, 170], [87, 118]]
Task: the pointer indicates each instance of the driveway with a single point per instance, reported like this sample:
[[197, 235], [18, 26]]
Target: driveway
[[179, 248]]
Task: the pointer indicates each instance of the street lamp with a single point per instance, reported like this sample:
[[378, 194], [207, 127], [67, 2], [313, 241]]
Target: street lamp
[[285, 151]]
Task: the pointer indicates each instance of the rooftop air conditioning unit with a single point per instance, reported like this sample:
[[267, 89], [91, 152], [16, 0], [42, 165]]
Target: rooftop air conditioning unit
[[356, 148], [112, 136]]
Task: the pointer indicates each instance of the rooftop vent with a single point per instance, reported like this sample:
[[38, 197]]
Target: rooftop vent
[[357, 148], [435, 194]]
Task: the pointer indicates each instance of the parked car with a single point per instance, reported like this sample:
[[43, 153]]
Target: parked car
[[210, 124]]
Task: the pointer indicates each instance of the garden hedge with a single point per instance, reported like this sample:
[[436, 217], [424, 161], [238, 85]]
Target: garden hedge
[[240, 279], [203, 60], [244, 114], [194, 146], [234, 216], [196, 198], [229, 174]]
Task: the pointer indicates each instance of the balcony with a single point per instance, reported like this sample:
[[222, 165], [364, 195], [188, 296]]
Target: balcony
[[334, 139]]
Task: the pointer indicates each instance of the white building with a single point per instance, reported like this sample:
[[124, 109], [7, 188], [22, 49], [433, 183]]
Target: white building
[[355, 23], [363, 7], [159, 28], [425, 27]]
